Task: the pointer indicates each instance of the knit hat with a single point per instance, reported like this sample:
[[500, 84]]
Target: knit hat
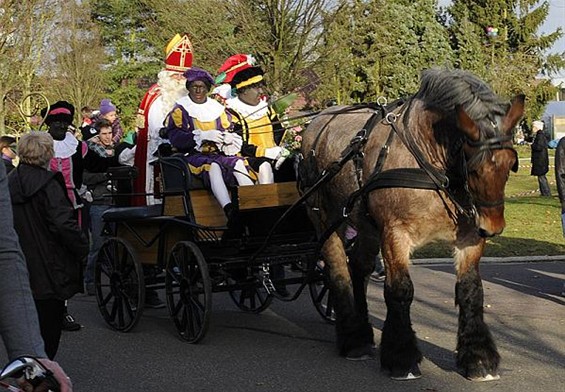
[[537, 125], [195, 73], [178, 54], [106, 107], [233, 65], [61, 111], [88, 131], [247, 77]]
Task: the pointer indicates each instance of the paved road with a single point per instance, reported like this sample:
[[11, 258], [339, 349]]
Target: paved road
[[289, 347]]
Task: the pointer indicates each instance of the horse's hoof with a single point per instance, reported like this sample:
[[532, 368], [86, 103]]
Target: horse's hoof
[[402, 375], [488, 377], [364, 353]]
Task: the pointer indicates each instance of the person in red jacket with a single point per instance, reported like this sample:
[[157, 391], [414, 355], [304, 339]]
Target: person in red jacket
[[155, 106]]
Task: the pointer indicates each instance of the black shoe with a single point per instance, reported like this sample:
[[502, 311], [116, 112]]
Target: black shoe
[[70, 324], [152, 300], [234, 224], [90, 289], [378, 276]]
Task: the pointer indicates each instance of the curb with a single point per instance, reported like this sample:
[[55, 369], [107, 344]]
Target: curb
[[485, 260]]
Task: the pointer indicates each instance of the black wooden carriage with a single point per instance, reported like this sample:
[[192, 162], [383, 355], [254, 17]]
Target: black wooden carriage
[[184, 246]]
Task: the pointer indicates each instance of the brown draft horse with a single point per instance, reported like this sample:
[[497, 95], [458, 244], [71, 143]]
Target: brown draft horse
[[431, 168]]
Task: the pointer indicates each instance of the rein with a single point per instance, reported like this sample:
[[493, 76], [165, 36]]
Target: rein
[[354, 148], [425, 177]]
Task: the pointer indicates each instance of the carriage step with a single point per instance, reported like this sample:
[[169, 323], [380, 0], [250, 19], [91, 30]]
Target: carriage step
[[131, 213]]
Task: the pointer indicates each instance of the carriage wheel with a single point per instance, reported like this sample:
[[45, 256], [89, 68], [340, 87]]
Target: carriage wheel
[[252, 297], [321, 294], [189, 291], [119, 282]]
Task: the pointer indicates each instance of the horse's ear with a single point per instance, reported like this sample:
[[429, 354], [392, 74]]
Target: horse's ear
[[514, 113], [467, 125]]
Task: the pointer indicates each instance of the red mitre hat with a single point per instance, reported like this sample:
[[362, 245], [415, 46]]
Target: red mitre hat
[[233, 65], [178, 54]]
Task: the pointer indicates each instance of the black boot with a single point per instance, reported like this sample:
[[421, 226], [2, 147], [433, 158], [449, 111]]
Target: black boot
[[230, 212], [234, 225]]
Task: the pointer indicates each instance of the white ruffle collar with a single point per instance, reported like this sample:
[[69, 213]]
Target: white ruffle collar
[[203, 112], [248, 111], [66, 147]]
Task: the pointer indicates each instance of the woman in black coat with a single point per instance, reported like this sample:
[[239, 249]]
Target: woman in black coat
[[52, 242], [540, 158]]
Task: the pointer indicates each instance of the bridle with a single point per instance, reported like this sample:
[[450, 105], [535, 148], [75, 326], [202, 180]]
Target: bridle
[[500, 142]]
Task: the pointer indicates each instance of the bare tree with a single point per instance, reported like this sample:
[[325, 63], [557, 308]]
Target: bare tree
[[282, 34], [25, 28], [76, 74]]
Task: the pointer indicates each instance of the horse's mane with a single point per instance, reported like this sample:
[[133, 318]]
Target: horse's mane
[[443, 89]]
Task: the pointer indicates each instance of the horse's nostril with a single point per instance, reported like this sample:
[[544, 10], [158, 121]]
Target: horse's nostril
[[487, 234]]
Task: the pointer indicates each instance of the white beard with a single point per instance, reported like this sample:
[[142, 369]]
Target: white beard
[[171, 90]]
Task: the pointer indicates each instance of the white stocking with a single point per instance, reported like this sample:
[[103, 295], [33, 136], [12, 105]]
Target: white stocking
[[266, 175], [218, 185], [241, 174]]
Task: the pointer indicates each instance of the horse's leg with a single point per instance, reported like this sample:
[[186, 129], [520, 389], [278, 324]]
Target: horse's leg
[[362, 263], [400, 354], [477, 356], [354, 334]]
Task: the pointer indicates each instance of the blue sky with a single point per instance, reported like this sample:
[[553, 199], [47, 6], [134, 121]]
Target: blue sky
[[555, 19]]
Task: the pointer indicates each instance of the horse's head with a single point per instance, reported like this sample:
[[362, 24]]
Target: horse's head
[[490, 157]]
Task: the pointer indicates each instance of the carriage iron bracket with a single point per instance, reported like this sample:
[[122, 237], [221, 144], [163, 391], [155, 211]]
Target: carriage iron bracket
[[266, 278]]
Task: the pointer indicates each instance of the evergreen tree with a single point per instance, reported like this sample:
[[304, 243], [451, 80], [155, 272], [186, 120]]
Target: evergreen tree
[[132, 58], [503, 34], [387, 44]]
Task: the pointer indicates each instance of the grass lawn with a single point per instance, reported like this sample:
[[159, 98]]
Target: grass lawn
[[533, 223]]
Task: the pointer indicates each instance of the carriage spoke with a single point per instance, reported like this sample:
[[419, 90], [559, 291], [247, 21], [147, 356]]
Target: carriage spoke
[[174, 275], [329, 307], [177, 308], [197, 304], [128, 300], [196, 315], [114, 309], [321, 294], [124, 259], [252, 299], [121, 321], [188, 291], [126, 272], [107, 299], [189, 326]]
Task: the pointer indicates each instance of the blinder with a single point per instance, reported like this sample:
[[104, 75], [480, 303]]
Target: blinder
[[502, 142], [494, 143]]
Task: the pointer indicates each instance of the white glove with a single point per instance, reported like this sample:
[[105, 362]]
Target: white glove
[[284, 154], [273, 152], [232, 138], [213, 135], [127, 156], [232, 143], [279, 162]]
